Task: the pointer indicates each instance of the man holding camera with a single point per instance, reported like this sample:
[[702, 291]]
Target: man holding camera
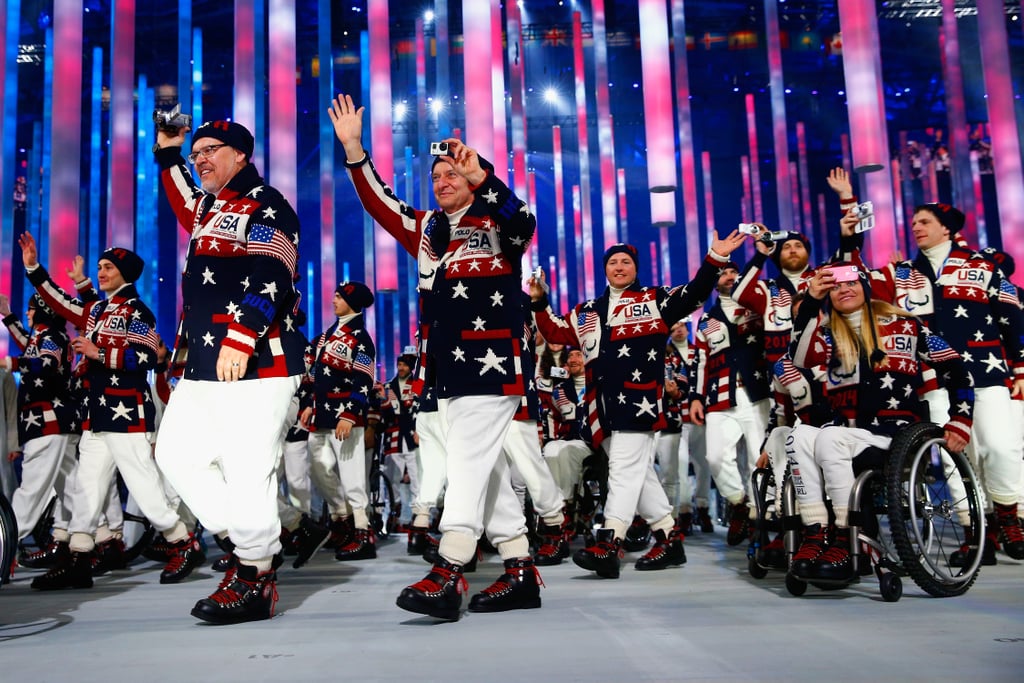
[[468, 257], [222, 433]]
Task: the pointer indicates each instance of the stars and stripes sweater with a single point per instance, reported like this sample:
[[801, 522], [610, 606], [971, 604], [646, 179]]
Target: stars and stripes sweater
[[340, 376], [470, 280], [772, 299], [623, 348], [116, 388], [730, 356], [237, 283], [398, 417], [45, 404], [883, 399]]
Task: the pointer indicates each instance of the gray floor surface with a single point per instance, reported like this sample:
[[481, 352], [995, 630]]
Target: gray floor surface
[[707, 621]]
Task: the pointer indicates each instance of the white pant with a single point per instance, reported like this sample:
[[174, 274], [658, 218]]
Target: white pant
[[99, 453], [398, 464], [41, 465], [834, 451], [431, 460], [806, 475], [113, 515], [338, 469], [479, 494], [565, 460], [724, 429], [633, 486], [775, 447], [701, 471], [219, 447], [294, 471], [522, 448]]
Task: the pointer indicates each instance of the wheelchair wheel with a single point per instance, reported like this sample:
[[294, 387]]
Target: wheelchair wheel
[[795, 586], [934, 506], [754, 569], [8, 539], [384, 510], [41, 531], [138, 535], [890, 586]]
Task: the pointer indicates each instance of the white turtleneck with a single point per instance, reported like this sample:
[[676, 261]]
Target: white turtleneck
[[729, 305], [454, 218], [854, 320], [794, 277], [614, 294], [937, 255], [681, 346], [344, 319]]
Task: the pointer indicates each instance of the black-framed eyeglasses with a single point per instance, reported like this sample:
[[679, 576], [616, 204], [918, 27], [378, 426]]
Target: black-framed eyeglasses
[[205, 152]]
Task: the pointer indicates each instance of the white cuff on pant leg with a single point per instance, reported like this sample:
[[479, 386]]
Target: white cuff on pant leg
[[262, 565], [514, 548], [360, 519], [814, 513], [554, 520], [178, 532], [665, 524], [61, 535], [616, 525], [102, 534], [842, 515], [81, 543], [421, 520], [457, 547]]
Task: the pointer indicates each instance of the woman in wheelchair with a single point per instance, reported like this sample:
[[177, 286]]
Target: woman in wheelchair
[[874, 354]]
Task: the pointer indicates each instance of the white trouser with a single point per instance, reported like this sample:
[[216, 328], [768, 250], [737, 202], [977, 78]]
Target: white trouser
[[522, 448], [42, 459], [565, 461], [806, 475], [666, 452], [219, 446], [1018, 407], [338, 469], [996, 448], [99, 453], [633, 486], [398, 464], [431, 459], [834, 451], [775, 448], [113, 515], [69, 476], [724, 429], [698, 452], [294, 471], [479, 494]]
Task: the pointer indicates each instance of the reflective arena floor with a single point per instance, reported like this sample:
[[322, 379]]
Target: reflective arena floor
[[706, 621]]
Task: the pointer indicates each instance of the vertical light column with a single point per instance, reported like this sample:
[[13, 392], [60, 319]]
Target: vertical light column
[[903, 239], [687, 157], [654, 259], [586, 266], [412, 298], [746, 210], [1005, 135], [866, 107], [783, 180], [499, 132], [754, 190], [805, 187], [658, 125], [517, 94], [10, 24], [281, 117], [979, 201], [555, 296], [844, 147], [66, 136], [620, 186], [245, 65], [261, 84], [92, 245], [823, 229], [120, 200], [443, 67], [146, 202], [185, 56], [579, 243], [956, 114], [477, 66], [605, 140], [325, 88], [793, 202], [386, 265], [533, 255], [709, 198], [556, 157]]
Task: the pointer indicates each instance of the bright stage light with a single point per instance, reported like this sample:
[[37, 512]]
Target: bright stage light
[[551, 96], [428, 16], [436, 106], [400, 111]]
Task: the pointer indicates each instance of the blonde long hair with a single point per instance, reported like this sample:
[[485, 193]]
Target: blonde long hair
[[849, 345]]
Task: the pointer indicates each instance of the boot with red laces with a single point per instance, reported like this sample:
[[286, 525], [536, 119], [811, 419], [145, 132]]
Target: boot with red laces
[[438, 594], [704, 521], [46, 557], [109, 556], [740, 527], [638, 535], [667, 551], [554, 545], [342, 531], [363, 546], [73, 570], [517, 588], [603, 557], [309, 538], [1010, 533], [419, 539], [685, 522], [835, 565], [186, 555], [245, 594], [812, 547], [964, 557]]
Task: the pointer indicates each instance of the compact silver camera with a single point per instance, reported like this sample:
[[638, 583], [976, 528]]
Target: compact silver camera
[[559, 373], [439, 149], [766, 236], [172, 121], [865, 212]]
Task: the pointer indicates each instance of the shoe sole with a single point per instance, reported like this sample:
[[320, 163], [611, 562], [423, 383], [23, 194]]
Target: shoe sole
[[531, 604], [447, 615], [212, 619], [301, 561], [673, 563]]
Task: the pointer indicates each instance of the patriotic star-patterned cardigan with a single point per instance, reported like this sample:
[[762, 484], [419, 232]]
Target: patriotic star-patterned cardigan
[[340, 376], [237, 283], [728, 348], [45, 405], [470, 280], [969, 303], [562, 409], [884, 398], [677, 410], [624, 355], [398, 416], [117, 395], [772, 299]]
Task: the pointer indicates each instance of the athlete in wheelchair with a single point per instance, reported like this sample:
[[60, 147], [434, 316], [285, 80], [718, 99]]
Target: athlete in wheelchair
[[874, 355]]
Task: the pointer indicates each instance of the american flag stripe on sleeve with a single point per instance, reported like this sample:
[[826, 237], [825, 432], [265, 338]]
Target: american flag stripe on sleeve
[[267, 241]]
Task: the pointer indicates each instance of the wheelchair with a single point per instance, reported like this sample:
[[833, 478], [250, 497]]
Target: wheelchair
[[8, 538], [385, 506], [591, 492], [911, 508]]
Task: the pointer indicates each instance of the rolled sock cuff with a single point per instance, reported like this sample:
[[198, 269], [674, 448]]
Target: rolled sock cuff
[[514, 549], [457, 547]]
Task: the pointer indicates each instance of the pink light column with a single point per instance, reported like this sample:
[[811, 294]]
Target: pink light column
[[531, 192], [66, 137], [995, 58], [687, 157], [477, 42], [956, 113], [499, 132], [784, 188], [281, 117], [805, 187], [586, 223], [385, 256], [866, 108], [121, 182], [793, 203], [620, 186], [517, 94], [709, 197], [605, 140], [658, 124], [753, 186], [556, 157], [578, 243], [245, 66]]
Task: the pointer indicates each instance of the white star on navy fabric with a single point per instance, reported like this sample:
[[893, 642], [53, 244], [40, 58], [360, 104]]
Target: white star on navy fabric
[[459, 354], [121, 410], [497, 298], [114, 381], [460, 291], [517, 241], [960, 312], [636, 375], [887, 381], [992, 363], [31, 419], [269, 212], [207, 339], [621, 397], [623, 351], [652, 355], [963, 407], [208, 277], [491, 361], [271, 289], [255, 192], [491, 197], [647, 407], [478, 323]]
